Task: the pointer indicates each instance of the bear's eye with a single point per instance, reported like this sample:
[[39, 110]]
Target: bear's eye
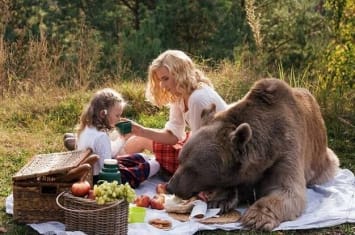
[[192, 172]]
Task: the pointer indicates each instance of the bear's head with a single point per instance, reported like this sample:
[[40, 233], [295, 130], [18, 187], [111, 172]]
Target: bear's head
[[237, 146], [211, 157]]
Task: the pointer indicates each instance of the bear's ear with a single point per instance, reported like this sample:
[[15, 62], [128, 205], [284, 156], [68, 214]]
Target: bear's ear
[[266, 90], [241, 135], [208, 113]]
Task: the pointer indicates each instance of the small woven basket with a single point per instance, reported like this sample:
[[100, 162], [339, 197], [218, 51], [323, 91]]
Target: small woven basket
[[81, 214]]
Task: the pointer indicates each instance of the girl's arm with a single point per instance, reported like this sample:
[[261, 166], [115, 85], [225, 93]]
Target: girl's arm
[[102, 147]]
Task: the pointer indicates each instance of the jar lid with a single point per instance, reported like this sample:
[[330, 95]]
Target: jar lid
[[110, 161]]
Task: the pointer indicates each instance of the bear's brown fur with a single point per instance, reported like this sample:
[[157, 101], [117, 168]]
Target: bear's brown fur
[[264, 149]]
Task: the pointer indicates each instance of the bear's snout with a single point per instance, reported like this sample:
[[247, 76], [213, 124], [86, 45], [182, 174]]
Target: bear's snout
[[169, 189], [183, 191]]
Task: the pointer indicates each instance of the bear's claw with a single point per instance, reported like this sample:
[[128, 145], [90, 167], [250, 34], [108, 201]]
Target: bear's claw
[[260, 218]]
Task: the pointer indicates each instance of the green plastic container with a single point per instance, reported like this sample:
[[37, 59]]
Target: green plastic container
[[110, 171]]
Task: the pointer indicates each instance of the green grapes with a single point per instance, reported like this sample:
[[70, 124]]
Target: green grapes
[[112, 191]]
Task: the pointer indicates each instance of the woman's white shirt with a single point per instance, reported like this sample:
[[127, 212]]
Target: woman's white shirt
[[100, 144], [199, 99]]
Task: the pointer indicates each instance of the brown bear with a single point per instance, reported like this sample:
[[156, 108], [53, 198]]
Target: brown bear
[[263, 150]]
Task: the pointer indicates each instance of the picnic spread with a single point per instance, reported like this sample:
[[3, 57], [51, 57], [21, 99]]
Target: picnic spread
[[57, 211]]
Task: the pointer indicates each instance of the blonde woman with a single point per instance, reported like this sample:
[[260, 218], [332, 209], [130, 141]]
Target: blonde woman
[[174, 81]]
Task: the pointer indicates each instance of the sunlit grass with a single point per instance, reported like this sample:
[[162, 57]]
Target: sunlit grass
[[34, 122]]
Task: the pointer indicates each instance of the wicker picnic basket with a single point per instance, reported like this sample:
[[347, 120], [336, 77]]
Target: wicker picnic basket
[[36, 186], [86, 215]]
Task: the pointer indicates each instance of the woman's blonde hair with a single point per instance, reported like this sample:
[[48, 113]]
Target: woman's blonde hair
[[182, 68], [102, 100]]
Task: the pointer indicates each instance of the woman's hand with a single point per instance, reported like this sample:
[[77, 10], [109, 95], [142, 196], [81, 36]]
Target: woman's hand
[[137, 129]]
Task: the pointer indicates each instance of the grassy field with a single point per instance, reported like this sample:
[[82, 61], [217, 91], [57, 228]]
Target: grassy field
[[34, 122]]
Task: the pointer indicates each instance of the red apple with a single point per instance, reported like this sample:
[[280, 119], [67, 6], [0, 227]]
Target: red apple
[[91, 194], [157, 202], [161, 188], [81, 188], [142, 201]]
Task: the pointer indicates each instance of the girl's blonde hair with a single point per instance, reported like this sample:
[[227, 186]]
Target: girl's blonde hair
[[182, 68], [102, 100]]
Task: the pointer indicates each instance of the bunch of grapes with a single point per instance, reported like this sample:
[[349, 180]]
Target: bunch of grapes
[[112, 191]]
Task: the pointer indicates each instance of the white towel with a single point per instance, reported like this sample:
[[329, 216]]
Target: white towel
[[330, 204]]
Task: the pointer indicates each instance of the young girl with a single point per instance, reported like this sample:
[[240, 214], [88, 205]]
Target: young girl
[[175, 81], [97, 121]]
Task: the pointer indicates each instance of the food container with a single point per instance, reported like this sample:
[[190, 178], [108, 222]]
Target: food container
[[110, 171], [37, 184]]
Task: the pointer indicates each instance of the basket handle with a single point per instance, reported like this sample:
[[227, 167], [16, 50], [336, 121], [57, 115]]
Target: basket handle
[[82, 211]]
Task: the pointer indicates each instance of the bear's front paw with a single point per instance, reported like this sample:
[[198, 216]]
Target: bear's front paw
[[260, 218]]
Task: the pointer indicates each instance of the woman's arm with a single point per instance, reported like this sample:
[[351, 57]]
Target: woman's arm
[[101, 147], [142, 139], [158, 135]]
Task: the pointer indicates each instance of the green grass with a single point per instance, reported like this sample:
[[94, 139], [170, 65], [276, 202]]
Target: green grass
[[34, 123]]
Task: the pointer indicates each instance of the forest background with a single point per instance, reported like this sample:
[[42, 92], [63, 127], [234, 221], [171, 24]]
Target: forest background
[[55, 54]]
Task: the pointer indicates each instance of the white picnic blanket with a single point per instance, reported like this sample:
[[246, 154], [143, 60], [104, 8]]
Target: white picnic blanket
[[330, 204]]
